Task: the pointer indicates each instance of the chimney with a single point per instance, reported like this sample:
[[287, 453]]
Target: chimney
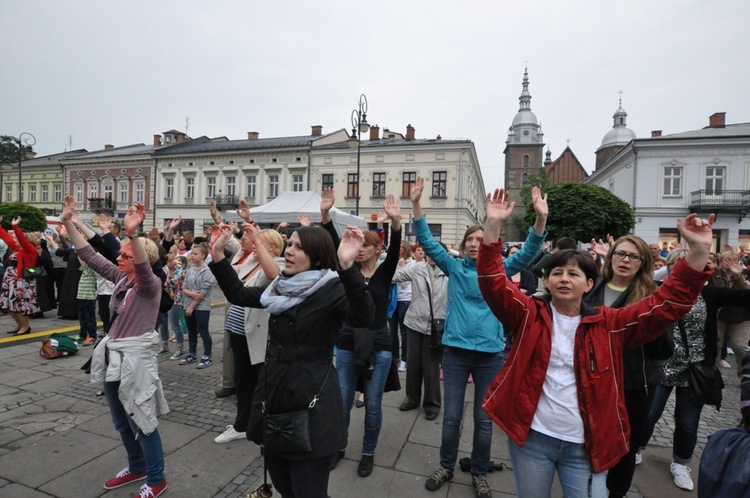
[[252, 135], [108, 146], [716, 120], [180, 138], [374, 132], [655, 133], [157, 140], [317, 130], [409, 132]]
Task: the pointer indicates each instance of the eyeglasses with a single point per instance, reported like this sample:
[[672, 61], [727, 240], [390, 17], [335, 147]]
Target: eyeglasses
[[124, 256], [630, 255]]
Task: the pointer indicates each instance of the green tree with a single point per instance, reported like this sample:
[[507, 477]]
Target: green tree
[[541, 180], [32, 218], [584, 212], [8, 150]]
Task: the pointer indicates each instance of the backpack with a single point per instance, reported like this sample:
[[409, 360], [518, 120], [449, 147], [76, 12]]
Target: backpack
[[61, 344]]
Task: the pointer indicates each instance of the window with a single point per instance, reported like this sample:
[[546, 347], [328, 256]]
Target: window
[[32, 193], [524, 178], [79, 193], [190, 188], [45, 193], [526, 161], [231, 185], [124, 193], [8, 192], [140, 190], [673, 181], [327, 180], [352, 188], [169, 188], [715, 180], [93, 190], [108, 190], [439, 181], [251, 185], [58, 193], [297, 183], [378, 185], [408, 184], [211, 187], [273, 185]]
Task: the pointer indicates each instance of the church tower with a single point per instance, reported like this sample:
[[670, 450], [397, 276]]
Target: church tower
[[617, 138], [524, 152]]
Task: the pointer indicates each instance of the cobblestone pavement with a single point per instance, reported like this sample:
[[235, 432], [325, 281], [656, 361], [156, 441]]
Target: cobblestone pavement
[[56, 438]]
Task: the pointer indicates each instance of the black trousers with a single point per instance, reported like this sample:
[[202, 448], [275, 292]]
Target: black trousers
[[245, 380], [619, 477], [300, 478], [423, 366]]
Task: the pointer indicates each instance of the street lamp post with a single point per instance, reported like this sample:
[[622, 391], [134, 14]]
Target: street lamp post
[[359, 126], [24, 139]]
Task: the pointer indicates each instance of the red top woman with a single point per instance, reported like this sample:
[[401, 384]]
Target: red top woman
[[18, 295]]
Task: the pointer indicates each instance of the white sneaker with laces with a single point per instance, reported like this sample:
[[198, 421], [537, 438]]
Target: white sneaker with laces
[[638, 458], [681, 474], [229, 435], [402, 366]]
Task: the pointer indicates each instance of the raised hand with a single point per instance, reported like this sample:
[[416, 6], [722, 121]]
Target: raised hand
[[599, 248], [212, 211], [69, 208], [327, 200], [699, 236], [133, 218], [175, 224], [221, 237], [499, 206], [304, 219], [244, 211], [16, 221], [104, 223], [416, 191], [351, 243], [539, 202], [392, 207]]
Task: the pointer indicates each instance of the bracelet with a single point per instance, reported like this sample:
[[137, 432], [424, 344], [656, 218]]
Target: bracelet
[[131, 237]]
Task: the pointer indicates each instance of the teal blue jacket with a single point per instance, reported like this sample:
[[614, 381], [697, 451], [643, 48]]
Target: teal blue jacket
[[469, 323]]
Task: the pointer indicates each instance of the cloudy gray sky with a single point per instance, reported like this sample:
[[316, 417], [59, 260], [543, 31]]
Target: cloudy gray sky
[[109, 72]]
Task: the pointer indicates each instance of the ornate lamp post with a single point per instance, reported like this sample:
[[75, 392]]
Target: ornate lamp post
[[24, 141], [359, 126]]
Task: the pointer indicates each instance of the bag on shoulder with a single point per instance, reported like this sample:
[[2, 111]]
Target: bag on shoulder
[[287, 433], [437, 327], [705, 384], [33, 273], [64, 344], [166, 302], [48, 352]]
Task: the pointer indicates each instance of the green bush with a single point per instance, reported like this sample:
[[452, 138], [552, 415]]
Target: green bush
[[32, 218]]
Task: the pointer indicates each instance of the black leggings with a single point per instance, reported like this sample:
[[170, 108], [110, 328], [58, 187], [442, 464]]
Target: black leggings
[[300, 478]]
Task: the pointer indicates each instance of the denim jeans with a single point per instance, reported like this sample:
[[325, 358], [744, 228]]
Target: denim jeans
[[87, 317], [535, 463], [458, 364], [687, 414], [396, 323], [197, 323], [172, 320], [348, 374], [144, 452]]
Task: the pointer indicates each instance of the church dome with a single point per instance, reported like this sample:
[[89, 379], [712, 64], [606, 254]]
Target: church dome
[[620, 134], [525, 116]]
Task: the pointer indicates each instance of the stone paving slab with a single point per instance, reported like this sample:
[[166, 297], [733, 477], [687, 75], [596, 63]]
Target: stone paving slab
[[16, 490]]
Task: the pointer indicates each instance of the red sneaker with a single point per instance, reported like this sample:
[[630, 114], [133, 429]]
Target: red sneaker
[[124, 477], [152, 490]]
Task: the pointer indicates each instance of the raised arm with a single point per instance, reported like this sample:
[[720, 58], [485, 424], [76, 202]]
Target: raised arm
[[326, 204], [499, 209], [67, 215], [416, 196], [697, 233]]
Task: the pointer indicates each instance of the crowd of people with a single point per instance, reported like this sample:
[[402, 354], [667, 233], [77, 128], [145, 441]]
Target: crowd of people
[[572, 353]]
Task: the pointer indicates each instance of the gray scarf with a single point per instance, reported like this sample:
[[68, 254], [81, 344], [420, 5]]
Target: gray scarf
[[286, 292]]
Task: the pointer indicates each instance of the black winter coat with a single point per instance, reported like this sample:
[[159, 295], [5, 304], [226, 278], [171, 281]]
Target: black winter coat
[[301, 342]]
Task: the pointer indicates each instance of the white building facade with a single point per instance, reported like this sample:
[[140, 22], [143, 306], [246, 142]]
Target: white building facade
[[667, 177]]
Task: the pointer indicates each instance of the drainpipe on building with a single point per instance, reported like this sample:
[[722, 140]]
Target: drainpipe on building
[[460, 188], [153, 194], [635, 172]]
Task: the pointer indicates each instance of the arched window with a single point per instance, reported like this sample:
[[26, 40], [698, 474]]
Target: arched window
[[526, 161], [524, 178]]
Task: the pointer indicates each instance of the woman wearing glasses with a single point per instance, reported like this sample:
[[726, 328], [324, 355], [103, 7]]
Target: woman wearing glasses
[[124, 361], [625, 279]]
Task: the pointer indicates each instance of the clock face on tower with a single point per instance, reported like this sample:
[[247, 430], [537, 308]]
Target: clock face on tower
[[526, 133]]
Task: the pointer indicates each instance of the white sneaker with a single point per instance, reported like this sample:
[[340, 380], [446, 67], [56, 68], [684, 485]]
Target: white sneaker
[[638, 458], [681, 475], [724, 364], [229, 435], [402, 366]]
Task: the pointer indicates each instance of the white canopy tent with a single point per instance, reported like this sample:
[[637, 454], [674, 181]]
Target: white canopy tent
[[288, 205]]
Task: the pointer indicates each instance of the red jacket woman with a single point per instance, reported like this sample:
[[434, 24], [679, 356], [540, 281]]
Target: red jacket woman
[[18, 294]]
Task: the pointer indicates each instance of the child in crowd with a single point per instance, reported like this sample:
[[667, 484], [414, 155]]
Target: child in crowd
[[86, 303]]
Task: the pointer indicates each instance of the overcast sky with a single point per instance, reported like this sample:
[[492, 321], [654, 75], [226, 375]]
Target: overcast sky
[[108, 72]]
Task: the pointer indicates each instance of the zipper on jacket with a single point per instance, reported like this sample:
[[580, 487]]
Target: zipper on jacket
[[592, 358], [591, 482]]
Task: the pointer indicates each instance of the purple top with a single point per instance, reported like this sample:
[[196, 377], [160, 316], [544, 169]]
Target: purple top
[[135, 304]]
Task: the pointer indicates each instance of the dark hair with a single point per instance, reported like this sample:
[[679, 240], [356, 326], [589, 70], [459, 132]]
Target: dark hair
[[116, 226], [469, 231], [318, 246], [565, 243], [507, 251], [579, 258]]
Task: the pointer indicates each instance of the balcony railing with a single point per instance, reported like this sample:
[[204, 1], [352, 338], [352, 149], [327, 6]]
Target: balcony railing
[[227, 201], [102, 205], [721, 201]]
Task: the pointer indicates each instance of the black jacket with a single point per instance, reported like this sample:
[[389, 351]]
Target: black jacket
[[300, 352]]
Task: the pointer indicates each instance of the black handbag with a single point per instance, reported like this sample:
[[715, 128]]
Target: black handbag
[[437, 325], [704, 381], [289, 432], [34, 272]]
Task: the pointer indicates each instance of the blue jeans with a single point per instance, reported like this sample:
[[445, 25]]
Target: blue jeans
[[687, 414], [171, 319], [197, 323], [144, 452], [348, 374], [483, 367], [87, 317], [535, 463]]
